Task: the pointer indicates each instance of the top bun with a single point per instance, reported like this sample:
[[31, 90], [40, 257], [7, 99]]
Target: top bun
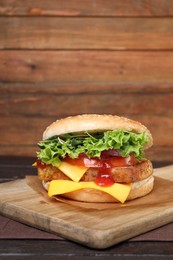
[[95, 123]]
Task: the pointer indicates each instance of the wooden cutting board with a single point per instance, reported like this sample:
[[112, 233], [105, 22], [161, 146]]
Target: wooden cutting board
[[95, 228]]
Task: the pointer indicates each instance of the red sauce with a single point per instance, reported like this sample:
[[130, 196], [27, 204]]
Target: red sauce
[[105, 161], [104, 178], [41, 164]]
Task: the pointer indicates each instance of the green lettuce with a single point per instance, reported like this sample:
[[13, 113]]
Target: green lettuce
[[54, 149]]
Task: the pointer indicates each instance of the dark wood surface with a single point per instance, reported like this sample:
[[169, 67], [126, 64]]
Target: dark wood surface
[[49, 249], [17, 167]]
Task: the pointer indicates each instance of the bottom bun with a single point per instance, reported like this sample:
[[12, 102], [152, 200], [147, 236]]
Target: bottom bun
[[139, 189]]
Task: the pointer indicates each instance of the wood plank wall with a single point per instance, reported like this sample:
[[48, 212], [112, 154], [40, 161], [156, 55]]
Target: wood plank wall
[[60, 58]]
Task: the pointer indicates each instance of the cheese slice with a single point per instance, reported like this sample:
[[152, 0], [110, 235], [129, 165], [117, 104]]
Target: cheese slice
[[117, 190], [34, 164], [74, 172]]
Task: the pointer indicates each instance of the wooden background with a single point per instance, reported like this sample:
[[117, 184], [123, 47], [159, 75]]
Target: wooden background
[[60, 58]]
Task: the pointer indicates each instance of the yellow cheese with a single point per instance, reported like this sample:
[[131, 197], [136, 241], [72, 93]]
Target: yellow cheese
[[34, 164], [117, 190], [74, 172]]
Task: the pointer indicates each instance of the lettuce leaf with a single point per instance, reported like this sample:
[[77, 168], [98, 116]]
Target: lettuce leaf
[[54, 149]]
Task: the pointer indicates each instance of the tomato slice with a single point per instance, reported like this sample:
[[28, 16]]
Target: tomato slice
[[122, 161], [104, 162], [83, 160]]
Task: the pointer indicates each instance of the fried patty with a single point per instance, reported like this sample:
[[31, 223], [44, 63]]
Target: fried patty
[[125, 174]]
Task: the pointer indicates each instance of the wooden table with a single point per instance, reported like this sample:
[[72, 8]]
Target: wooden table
[[17, 167]]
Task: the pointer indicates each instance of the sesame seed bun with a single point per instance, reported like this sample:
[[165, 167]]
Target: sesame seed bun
[[95, 123], [141, 186]]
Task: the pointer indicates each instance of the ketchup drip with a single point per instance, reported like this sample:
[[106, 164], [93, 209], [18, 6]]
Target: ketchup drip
[[41, 164], [104, 178]]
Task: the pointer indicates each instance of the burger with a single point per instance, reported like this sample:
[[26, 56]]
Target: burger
[[95, 158]]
